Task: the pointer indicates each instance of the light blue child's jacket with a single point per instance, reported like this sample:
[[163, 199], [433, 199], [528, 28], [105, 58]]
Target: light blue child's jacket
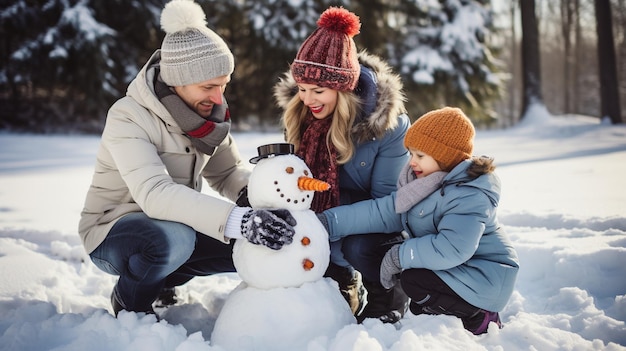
[[453, 232]]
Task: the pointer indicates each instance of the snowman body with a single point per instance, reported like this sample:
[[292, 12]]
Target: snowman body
[[259, 313], [304, 260]]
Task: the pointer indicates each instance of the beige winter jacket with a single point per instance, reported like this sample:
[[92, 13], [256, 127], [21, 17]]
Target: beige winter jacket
[[145, 163]]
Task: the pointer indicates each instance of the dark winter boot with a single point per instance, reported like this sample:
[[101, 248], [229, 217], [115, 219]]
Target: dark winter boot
[[478, 323], [118, 306], [387, 305], [474, 319], [350, 285], [166, 298]]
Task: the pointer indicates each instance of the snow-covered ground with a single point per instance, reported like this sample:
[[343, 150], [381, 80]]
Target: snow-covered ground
[[563, 204]]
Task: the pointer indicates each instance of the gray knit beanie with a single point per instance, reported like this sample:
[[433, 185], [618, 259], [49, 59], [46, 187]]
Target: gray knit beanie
[[191, 53]]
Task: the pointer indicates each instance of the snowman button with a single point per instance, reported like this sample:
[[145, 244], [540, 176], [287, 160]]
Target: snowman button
[[305, 241], [307, 264]]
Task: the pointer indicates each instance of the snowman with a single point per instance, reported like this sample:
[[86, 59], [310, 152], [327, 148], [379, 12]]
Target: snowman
[[283, 301]]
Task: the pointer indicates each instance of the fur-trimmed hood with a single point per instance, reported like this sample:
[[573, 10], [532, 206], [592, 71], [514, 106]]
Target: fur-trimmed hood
[[374, 121]]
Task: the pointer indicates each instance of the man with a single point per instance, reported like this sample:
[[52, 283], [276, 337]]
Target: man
[[144, 217]]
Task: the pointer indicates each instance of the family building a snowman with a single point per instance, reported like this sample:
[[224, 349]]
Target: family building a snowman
[[434, 239]]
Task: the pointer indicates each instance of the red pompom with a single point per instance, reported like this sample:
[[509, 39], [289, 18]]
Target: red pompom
[[340, 20]]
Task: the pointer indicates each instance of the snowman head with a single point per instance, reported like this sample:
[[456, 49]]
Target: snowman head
[[283, 181]]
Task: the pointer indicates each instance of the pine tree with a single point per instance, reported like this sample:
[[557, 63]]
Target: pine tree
[[273, 32], [65, 61], [445, 56]]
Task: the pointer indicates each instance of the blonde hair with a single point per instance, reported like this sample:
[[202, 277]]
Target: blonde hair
[[339, 134]]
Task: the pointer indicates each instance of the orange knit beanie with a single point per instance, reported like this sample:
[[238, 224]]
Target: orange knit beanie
[[447, 135]]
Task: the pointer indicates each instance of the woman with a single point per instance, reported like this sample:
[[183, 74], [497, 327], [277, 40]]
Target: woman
[[344, 112]]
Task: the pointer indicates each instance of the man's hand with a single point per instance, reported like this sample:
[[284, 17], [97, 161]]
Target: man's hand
[[390, 266], [272, 228]]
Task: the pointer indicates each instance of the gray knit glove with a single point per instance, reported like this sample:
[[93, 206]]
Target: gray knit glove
[[272, 228], [390, 266]]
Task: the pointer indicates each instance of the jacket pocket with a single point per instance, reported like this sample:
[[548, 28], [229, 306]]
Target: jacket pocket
[[421, 218]]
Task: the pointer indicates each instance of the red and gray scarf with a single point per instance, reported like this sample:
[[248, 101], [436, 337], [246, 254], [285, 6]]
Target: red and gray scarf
[[321, 159], [205, 134]]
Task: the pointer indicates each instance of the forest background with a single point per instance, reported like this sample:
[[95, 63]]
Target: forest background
[[64, 62]]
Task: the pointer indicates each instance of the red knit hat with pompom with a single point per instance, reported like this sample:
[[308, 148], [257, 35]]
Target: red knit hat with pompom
[[328, 57]]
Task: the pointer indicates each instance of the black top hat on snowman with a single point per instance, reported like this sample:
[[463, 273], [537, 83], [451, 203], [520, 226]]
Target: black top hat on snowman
[[271, 150]]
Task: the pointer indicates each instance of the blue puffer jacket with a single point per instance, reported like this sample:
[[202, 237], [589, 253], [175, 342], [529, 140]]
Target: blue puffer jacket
[[453, 232]]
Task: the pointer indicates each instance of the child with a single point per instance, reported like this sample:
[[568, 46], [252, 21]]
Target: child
[[457, 260]]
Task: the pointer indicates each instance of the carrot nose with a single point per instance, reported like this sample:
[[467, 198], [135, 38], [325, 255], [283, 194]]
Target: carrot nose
[[308, 183]]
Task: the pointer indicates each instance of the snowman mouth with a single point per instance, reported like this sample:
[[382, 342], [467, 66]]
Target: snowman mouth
[[289, 199]]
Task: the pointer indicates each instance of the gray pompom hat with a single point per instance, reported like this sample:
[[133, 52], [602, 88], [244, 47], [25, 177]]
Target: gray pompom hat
[[191, 52]]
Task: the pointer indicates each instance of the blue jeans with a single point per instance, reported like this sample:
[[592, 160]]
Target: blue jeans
[[365, 252], [149, 254]]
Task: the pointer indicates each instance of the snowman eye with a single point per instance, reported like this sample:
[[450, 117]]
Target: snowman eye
[[289, 170], [306, 173]]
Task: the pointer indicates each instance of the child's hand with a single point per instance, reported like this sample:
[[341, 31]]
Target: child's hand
[[390, 266]]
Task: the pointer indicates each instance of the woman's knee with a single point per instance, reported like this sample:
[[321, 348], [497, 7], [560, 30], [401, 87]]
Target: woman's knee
[[356, 247], [367, 247]]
